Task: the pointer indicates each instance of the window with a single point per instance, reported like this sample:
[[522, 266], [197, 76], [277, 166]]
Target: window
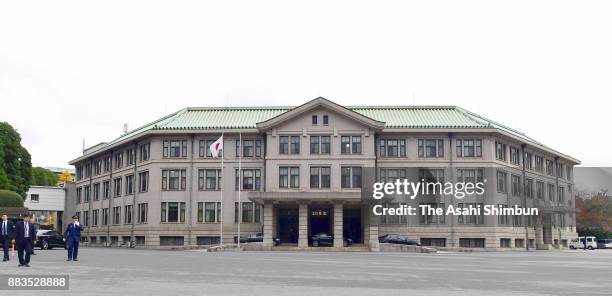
[[515, 182], [469, 175], [143, 181], [539, 163], [560, 170], [88, 170], [295, 145], [34, 198], [129, 184], [433, 242], [426, 218], [208, 240], [87, 193], [107, 164], [204, 148], [117, 187], [551, 192], [171, 240], [528, 160], [471, 219], [119, 160], [350, 145], [128, 214], [500, 151], [143, 209], [431, 148], [130, 156], [320, 177], [106, 189], [569, 173], [173, 212], [502, 182], [145, 152], [471, 242], [251, 212], [315, 120], [515, 156], [539, 190], [79, 194], [105, 216], [94, 216], [174, 148], [174, 180], [549, 167], [85, 218], [289, 177], [561, 194], [96, 191], [320, 144], [325, 120], [285, 148], [431, 176], [97, 167], [209, 212], [529, 188], [209, 179], [390, 175], [503, 219], [392, 147], [250, 148], [116, 215], [504, 243], [469, 148], [351, 177], [251, 179]]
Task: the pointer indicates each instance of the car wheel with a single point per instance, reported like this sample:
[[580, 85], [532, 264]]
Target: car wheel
[[315, 243], [44, 245], [572, 247]]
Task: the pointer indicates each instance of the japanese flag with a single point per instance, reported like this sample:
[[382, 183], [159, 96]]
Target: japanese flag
[[216, 147]]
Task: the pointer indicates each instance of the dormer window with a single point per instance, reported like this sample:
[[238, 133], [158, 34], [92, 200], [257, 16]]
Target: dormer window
[[315, 120]]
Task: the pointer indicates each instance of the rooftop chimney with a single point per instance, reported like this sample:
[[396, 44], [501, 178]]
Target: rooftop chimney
[[125, 128]]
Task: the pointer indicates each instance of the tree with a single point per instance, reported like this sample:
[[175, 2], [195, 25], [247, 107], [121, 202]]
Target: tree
[[15, 161], [10, 199], [43, 177], [594, 215], [65, 177]]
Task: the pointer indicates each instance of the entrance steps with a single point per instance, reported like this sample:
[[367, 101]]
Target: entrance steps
[[294, 248]]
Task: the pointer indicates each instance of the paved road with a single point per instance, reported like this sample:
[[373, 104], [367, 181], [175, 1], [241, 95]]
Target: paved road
[[146, 272]]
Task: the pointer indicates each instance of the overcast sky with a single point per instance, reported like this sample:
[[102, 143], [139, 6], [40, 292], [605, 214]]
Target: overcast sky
[[71, 70]]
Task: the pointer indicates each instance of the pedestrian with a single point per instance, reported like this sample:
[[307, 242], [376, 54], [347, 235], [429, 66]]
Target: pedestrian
[[25, 237], [7, 230], [72, 236]]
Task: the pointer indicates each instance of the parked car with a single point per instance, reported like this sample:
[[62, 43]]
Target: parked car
[[578, 243], [49, 239], [605, 243], [258, 237], [324, 239], [397, 239]]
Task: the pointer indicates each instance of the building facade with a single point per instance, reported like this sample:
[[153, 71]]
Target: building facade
[[46, 205], [301, 171]]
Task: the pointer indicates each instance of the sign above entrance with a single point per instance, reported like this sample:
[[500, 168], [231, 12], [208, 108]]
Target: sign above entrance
[[319, 213]]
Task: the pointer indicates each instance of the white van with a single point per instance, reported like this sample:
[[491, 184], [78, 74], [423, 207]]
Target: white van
[[578, 243]]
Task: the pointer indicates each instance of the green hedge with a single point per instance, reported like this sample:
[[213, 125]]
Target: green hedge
[[10, 199]]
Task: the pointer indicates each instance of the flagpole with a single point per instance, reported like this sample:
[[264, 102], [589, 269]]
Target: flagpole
[[239, 185], [222, 185]]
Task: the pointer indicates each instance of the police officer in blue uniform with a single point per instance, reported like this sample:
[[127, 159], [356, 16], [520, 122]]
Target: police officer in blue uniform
[[72, 236]]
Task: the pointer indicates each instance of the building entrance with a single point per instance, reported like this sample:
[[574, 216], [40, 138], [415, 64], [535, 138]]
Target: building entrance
[[351, 225], [288, 225], [320, 220]]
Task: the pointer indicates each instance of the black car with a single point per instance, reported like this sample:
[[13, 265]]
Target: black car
[[397, 239], [258, 237], [324, 239], [49, 239]]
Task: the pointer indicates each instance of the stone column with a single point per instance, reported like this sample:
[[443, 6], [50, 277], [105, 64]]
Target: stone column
[[338, 223], [303, 226], [539, 234], [268, 218]]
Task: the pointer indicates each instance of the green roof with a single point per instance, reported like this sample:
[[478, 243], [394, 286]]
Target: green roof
[[394, 117]]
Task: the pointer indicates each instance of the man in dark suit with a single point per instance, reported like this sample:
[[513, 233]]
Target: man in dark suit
[[72, 236], [6, 235], [25, 236]]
